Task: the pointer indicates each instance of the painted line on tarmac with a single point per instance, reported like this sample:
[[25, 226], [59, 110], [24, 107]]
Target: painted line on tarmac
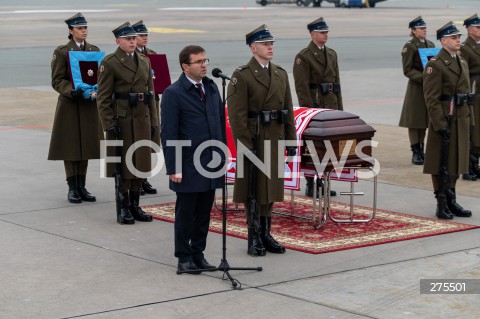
[[209, 8], [56, 11], [173, 30], [374, 102]]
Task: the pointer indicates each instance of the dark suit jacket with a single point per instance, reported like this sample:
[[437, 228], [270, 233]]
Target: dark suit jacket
[[185, 117]]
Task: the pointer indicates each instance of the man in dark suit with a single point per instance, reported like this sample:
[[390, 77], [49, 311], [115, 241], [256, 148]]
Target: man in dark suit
[[192, 113]]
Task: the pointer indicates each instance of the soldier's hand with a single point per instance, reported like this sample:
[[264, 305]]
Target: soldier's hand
[[444, 132], [291, 150], [114, 130], [76, 93], [154, 131], [89, 94]]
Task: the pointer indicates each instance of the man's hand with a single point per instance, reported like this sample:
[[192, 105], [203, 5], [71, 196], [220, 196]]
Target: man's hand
[[176, 178], [114, 130], [444, 132]]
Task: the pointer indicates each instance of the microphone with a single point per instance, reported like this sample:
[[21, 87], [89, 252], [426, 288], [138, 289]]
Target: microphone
[[218, 74]]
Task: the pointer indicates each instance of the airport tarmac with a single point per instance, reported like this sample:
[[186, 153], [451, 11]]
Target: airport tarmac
[[61, 260]]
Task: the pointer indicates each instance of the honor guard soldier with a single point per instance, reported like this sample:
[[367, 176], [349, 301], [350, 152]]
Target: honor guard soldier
[[317, 78], [470, 50], [128, 113], [142, 41], [76, 132], [446, 86], [414, 112], [260, 110]]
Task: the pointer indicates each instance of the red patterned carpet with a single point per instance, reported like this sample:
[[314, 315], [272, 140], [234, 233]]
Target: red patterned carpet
[[298, 234]]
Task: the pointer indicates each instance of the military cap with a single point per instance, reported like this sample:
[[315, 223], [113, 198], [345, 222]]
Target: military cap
[[318, 25], [260, 34], [418, 22], [76, 21], [125, 30], [140, 27], [448, 30], [473, 21]]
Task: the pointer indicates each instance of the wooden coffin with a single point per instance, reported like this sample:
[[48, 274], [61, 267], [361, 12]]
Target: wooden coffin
[[337, 127]]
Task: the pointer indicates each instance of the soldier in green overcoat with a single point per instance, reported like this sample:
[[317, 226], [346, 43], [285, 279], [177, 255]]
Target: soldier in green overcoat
[[76, 131], [445, 78], [470, 50], [317, 78], [142, 41], [261, 89], [414, 112], [128, 113]]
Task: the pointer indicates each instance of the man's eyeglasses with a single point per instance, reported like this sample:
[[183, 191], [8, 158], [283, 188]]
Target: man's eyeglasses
[[200, 62]]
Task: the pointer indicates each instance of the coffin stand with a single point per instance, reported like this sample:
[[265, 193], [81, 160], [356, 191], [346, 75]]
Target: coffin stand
[[340, 129]]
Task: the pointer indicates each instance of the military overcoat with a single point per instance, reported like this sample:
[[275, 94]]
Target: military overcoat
[[76, 131], [414, 111], [119, 74], [471, 53], [443, 77], [156, 138], [312, 66], [252, 90]]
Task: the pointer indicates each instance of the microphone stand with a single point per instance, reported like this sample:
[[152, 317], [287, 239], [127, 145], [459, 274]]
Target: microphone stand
[[224, 266]]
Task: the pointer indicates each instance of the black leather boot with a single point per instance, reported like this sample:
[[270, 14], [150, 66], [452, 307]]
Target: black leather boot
[[124, 217], [474, 168], [84, 194], [309, 187], [416, 154], [136, 211], [148, 188], [454, 207], [422, 151], [320, 185], [255, 245], [271, 245], [73, 196], [442, 210], [471, 175]]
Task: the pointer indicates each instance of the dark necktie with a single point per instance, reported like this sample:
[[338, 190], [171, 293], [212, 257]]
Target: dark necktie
[[82, 47], [200, 91], [267, 71]]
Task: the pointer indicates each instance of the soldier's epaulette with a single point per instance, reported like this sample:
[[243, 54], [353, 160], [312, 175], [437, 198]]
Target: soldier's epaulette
[[242, 67], [60, 47], [279, 67], [108, 57], [95, 47], [303, 51]]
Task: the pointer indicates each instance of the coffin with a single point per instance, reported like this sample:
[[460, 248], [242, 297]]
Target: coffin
[[337, 127]]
